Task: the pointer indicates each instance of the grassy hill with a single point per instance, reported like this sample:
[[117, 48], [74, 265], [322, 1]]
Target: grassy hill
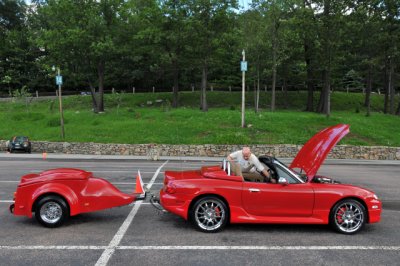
[[133, 119]]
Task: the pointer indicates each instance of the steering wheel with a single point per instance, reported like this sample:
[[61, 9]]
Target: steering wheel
[[272, 175]]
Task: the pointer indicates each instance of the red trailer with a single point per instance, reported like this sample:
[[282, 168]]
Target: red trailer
[[56, 194]]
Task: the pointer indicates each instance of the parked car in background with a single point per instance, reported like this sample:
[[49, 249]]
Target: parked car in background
[[19, 143]]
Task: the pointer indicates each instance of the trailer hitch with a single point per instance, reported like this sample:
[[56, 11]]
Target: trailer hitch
[[155, 201]]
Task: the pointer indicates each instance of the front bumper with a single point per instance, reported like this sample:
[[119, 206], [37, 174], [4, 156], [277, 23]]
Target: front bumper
[[374, 211]]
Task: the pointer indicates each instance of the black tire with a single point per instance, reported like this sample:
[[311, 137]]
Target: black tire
[[348, 216], [51, 211], [209, 214]]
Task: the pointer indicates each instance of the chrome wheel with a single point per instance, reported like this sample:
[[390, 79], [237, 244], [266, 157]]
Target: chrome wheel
[[210, 214], [349, 216], [51, 212]]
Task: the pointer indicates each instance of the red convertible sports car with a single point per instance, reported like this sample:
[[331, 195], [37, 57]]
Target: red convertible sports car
[[213, 196], [56, 194]]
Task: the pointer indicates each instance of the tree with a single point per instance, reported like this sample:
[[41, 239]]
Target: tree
[[173, 38], [306, 19], [275, 15], [330, 19], [17, 65], [81, 38], [209, 20]]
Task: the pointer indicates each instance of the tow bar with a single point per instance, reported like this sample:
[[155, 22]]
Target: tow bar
[[155, 201]]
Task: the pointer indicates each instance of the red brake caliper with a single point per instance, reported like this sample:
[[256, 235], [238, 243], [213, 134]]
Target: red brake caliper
[[339, 215]]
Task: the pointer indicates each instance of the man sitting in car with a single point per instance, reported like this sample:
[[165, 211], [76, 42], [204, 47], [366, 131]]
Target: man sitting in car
[[249, 166]]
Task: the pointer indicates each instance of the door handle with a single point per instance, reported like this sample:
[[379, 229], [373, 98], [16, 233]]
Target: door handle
[[254, 190]]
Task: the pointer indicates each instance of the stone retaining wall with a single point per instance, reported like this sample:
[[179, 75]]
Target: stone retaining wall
[[154, 151]]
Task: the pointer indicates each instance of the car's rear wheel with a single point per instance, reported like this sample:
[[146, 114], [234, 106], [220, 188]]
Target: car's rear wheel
[[209, 214], [51, 211], [348, 216]]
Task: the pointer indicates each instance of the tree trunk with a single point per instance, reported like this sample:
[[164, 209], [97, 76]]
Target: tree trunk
[[203, 98], [391, 87], [93, 95], [258, 89], [273, 88], [285, 93], [310, 85], [175, 99], [386, 84], [307, 57], [325, 98], [274, 65], [367, 102], [100, 71]]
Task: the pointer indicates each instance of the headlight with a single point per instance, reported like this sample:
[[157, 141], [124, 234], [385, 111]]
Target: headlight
[[375, 196]]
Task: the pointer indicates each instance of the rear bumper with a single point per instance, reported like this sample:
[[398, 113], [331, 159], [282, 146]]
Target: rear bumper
[[20, 148], [174, 204]]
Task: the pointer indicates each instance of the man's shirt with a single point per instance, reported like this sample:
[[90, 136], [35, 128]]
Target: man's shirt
[[247, 165]]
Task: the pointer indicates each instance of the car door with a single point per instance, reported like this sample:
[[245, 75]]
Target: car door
[[293, 199]]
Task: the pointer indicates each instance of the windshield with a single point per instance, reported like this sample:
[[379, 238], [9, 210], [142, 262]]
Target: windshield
[[20, 139], [300, 176], [303, 176]]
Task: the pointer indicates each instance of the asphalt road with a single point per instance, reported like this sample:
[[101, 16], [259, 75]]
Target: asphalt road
[[139, 235]]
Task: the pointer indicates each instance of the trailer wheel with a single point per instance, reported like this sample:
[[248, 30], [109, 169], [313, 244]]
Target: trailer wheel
[[51, 211]]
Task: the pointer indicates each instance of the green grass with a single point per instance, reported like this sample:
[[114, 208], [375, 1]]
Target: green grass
[[128, 119]]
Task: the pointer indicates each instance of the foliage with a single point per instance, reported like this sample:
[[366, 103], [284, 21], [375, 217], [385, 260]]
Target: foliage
[[126, 121], [320, 45]]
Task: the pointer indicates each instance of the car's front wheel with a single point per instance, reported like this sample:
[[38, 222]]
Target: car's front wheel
[[348, 216], [51, 211], [209, 214]]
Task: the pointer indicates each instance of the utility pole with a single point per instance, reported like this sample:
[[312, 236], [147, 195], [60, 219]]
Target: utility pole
[[243, 68], [59, 83]]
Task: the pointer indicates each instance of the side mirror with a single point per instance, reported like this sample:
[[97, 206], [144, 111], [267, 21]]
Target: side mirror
[[283, 181]]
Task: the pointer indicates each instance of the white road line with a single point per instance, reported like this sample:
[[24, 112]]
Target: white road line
[[53, 247], [8, 181], [109, 251], [260, 247], [382, 248]]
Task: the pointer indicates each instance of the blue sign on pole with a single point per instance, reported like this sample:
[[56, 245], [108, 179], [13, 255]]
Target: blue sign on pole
[[243, 66], [59, 80]]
